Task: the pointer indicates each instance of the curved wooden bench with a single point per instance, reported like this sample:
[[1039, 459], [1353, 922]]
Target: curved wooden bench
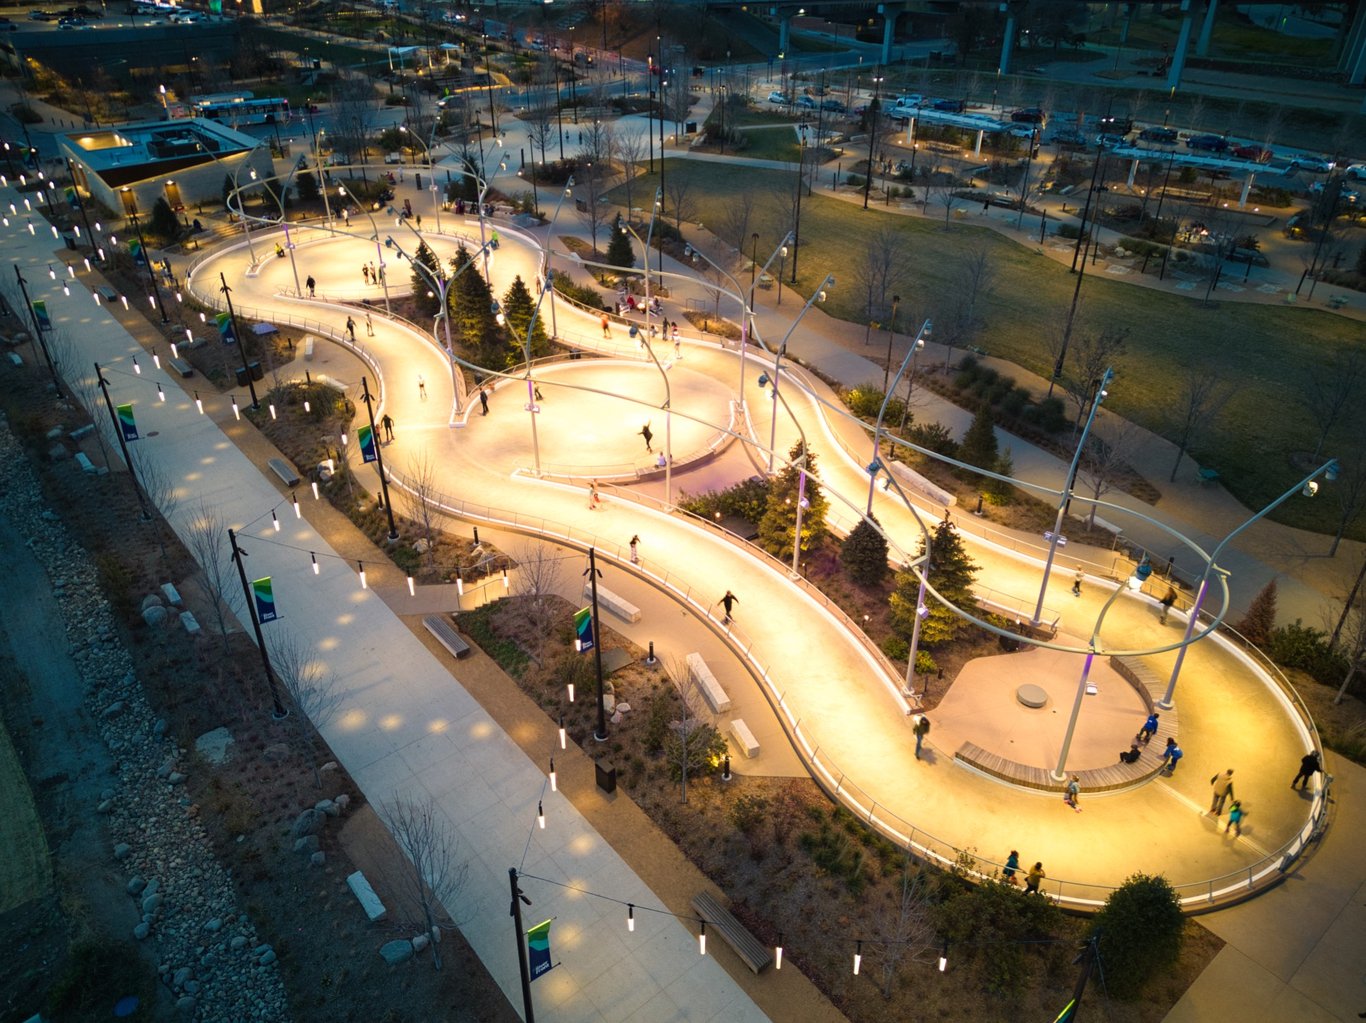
[[1097, 779]]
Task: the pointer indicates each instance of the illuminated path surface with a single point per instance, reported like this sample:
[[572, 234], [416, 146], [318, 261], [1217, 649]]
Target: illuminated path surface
[[838, 691]]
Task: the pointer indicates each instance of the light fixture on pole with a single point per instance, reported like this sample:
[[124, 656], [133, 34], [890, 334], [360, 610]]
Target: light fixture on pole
[[916, 346]]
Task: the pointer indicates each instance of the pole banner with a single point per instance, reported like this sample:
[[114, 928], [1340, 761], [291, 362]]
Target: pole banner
[[265, 600], [40, 312], [366, 438], [225, 331], [583, 629], [127, 423], [538, 949]]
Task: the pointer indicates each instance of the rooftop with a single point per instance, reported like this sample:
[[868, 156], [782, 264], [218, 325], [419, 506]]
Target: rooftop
[[168, 145]]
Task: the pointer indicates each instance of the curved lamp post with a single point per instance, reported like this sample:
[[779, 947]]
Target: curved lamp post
[[431, 170], [816, 296], [801, 465], [916, 346], [379, 248]]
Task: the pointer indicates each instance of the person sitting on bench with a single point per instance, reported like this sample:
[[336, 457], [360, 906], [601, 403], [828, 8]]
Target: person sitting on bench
[[1130, 757]]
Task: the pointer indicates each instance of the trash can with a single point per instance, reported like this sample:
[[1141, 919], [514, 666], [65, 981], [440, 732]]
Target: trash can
[[70, 242], [690, 128], [256, 371], [607, 776], [242, 376]]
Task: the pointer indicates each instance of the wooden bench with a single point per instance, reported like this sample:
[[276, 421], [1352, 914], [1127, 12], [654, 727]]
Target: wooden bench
[[755, 955], [285, 471], [308, 347], [618, 605], [441, 627], [744, 738], [180, 366], [711, 689]]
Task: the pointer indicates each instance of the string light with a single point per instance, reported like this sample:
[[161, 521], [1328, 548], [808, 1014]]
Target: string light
[[540, 814], [563, 737], [124, 300], [96, 296], [6, 220], [237, 412], [65, 290], [343, 438], [86, 261], [136, 368], [505, 580], [314, 558], [151, 301], [161, 395], [156, 360], [298, 513], [412, 587], [554, 785], [702, 939], [71, 270], [944, 956], [55, 233], [272, 410], [51, 272], [571, 692], [459, 583], [778, 953], [308, 406], [100, 252], [198, 404], [360, 565], [630, 917], [858, 957], [314, 485], [274, 521], [175, 352]]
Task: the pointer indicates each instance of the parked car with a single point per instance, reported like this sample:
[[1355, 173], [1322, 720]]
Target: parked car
[[1111, 125], [1207, 143], [1309, 162], [1029, 115], [1068, 137], [911, 100], [777, 97], [830, 103], [71, 23], [1355, 171], [808, 102], [1110, 141], [1347, 195], [8, 26], [950, 106], [42, 16], [1162, 136], [1256, 154]]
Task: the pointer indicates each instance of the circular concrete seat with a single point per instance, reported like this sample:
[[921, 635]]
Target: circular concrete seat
[[1031, 695]]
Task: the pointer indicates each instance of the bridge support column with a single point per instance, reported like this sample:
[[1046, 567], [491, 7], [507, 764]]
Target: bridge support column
[[1133, 171], [1182, 44], [784, 32], [1247, 187], [1353, 61], [977, 146], [1007, 40], [1206, 29], [888, 31]]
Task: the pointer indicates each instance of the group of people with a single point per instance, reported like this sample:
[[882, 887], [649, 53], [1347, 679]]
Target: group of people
[[1033, 878], [372, 275]]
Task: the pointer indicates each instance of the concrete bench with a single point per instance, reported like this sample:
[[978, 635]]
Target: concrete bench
[[752, 952], [190, 623], [83, 460], [619, 606], [711, 689], [442, 628], [285, 471], [171, 594], [369, 901], [308, 347], [180, 366], [15, 358], [744, 738]]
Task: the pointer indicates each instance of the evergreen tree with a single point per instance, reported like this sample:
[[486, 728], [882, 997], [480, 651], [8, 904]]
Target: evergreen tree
[[308, 186], [1260, 620], [979, 443], [619, 251], [951, 575], [519, 310], [472, 315], [228, 187], [998, 491], [163, 223], [1138, 933], [426, 294], [777, 529], [864, 553]]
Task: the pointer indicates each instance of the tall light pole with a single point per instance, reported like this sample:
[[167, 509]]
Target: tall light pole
[[797, 220], [130, 204], [241, 341], [238, 554], [891, 333], [876, 463], [123, 443], [873, 109], [431, 170], [816, 296]]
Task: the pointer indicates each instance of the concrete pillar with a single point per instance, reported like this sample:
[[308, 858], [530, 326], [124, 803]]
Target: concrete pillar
[[1124, 29], [977, 146], [1206, 29], [1182, 43], [888, 31], [784, 32], [1007, 41], [1353, 60], [1247, 187], [1133, 171]]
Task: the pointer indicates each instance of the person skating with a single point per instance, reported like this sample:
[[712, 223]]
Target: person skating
[[1076, 583], [1168, 599], [421, 387], [388, 423], [1221, 789], [728, 602], [1034, 879], [1073, 795], [1309, 766], [311, 285], [484, 400], [921, 729], [635, 556], [649, 436], [594, 498], [1012, 865], [351, 329], [1235, 819]]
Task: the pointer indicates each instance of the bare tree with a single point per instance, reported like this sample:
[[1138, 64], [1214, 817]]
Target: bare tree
[[592, 212], [976, 276], [312, 689], [689, 734], [534, 585], [426, 498], [1092, 354], [1105, 460], [78, 374], [432, 876], [1353, 631], [909, 931], [1350, 485], [678, 190], [880, 270], [598, 145], [1332, 390], [945, 196], [206, 536], [629, 147], [1202, 397], [159, 489], [354, 115], [737, 221]]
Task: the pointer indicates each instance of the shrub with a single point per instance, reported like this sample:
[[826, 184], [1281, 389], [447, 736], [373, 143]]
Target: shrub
[[747, 499], [1071, 231], [934, 437], [1260, 620], [1300, 646], [706, 748], [1138, 933], [925, 664], [864, 554], [864, 400], [584, 294], [657, 724], [1001, 927], [1049, 415], [896, 648]]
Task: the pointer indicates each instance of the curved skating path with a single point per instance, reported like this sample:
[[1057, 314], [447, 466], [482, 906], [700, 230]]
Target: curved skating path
[[847, 708]]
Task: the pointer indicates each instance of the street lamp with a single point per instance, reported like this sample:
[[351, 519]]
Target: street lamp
[[130, 204], [916, 346], [431, 170], [797, 219], [379, 248], [802, 502], [891, 333], [816, 296]]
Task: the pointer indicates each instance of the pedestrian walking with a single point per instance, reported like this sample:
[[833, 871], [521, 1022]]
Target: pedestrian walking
[[419, 221], [606, 326], [1168, 599], [1221, 789], [1034, 879], [678, 345], [388, 423], [635, 556], [1076, 583], [1012, 865], [1149, 728], [728, 602], [1309, 766], [1171, 756], [675, 333], [649, 436], [351, 329], [311, 285], [594, 498], [346, 215], [381, 273], [1235, 819], [374, 276], [484, 400], [421, 387], [365, 272], [1073, 794], [921, 729], [369, 327]]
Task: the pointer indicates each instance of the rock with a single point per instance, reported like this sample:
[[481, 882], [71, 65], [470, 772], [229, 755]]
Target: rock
[[164, 771], [436, 935], [214, 746], [185, 1003], [396, 951], [153, 886], [141, 930], [181, 976], [213, 925], [55, 432], [105, 806], [238, 943], [151, 905], [122, 850], [159, 729], [191, 624], [277, 751], [107, 793], [307, 844], [171, 594], [58, 453], [421, 942], [328, 807], [420, 546], [267, 958], [331, 765], [342, 801], [135, 886], [155, 616], [176, 778], [306, 823], [151, 600], [113, 710], [192, 987], [261, 949], [318, 859]]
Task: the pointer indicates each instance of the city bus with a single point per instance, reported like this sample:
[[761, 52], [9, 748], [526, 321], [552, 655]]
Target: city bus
[[244, 111]]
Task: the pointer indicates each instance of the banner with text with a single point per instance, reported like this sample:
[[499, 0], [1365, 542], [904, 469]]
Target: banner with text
[[225, 331], [366, 438], [127, 423], [583, 630], [538, 949], [265, 600]]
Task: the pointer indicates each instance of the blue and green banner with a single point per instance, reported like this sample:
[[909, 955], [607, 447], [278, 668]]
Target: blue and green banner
[[127, 423], [265, 600], [583, 629], [216, 6], [73, 197], [135, 250], [40, 314], [538, 949], [225, 331], [365, 436]]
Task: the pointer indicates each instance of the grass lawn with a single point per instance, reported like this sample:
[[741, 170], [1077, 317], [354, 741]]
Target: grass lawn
[[1233, 36], [771, 144], [1266, 351]]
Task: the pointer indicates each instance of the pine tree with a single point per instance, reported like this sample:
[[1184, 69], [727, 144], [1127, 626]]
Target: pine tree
[[1260, 620], [228, 187], [519, 310], [426, 294], [864, 553], [619, 251], [998, 491], [951, 575], [472, 315], [307, 185], [979, 443], [163, 224], [777, 529]]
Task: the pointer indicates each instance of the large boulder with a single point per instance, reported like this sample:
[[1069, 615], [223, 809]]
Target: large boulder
[[307, 823], [396, 951]]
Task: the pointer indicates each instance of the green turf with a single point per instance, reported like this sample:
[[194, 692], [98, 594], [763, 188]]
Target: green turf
[[25, 872], [1266, 351], [771, 144]]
